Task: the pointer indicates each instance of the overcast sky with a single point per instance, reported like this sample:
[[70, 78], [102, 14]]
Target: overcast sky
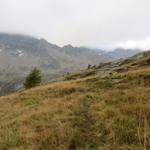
[[92, 23]]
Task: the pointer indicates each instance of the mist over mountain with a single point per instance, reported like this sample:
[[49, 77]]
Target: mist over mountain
[[118, 53], [20, 53]]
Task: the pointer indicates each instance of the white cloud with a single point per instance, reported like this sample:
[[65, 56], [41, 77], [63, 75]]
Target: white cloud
[[138, 44], [78, 22]]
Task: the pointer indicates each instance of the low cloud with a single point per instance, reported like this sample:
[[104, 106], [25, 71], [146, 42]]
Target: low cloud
[[138, 44], [79, 22]]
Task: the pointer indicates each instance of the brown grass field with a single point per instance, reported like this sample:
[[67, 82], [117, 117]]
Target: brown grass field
[[87, 112]]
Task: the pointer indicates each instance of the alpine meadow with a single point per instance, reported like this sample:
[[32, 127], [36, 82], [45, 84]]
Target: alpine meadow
[[74, 75]]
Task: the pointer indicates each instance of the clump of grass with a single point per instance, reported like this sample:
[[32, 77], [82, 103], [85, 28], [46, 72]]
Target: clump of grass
[[10, 138]]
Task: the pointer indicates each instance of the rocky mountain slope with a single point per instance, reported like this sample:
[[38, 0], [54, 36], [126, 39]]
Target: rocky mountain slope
[[20, 53], [104, 107]]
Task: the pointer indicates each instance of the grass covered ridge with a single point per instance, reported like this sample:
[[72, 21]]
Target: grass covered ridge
[[96, 111]]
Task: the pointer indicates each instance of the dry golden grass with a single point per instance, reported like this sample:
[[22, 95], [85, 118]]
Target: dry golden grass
[[90, 113]]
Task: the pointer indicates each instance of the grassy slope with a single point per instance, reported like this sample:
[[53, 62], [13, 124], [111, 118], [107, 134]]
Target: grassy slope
[[100, 109]]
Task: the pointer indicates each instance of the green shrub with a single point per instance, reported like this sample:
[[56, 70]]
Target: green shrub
[[33, 79]]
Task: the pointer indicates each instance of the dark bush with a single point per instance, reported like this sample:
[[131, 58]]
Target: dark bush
[[33, 79]]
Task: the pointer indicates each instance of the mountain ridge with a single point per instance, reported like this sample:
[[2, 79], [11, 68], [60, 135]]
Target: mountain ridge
[[21, 53]]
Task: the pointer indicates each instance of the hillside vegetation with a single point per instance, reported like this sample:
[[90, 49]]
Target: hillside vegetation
[[106, 107]]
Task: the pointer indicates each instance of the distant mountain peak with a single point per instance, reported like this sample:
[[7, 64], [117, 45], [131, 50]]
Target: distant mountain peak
[[68, 46]]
